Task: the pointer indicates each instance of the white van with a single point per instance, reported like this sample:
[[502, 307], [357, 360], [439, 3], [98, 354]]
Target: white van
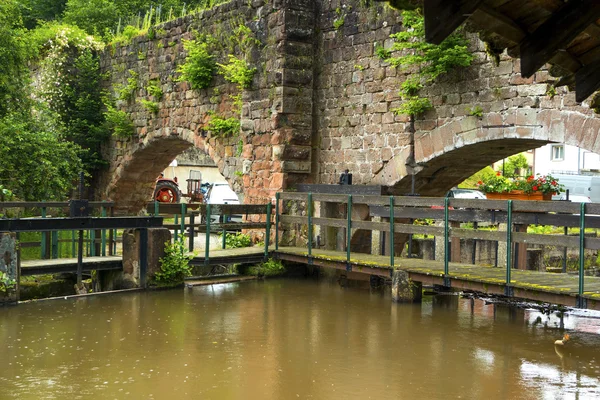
[[579, 187], [221, 193]]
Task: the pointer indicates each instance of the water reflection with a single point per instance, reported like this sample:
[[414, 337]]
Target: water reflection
[[290, 339]]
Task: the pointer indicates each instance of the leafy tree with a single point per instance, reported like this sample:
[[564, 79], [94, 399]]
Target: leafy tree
[[514, 166], [96, 17], [14, 74], [35, 11], [35, 163], [479, 176]]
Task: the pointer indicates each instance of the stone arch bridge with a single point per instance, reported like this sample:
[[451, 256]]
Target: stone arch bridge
[[321, 102]]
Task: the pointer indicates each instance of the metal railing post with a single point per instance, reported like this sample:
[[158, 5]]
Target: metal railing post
[[92, 236], [348, 230], [192, 233], [207, 239], [310, 227], [183, 211], [156, 208], [143, 256], [176, 230], [580, 300], [446, 239], [103, 232], [392, 232], [43, 240], [508, 242], [277, 221], [54, 243], [268, 230]]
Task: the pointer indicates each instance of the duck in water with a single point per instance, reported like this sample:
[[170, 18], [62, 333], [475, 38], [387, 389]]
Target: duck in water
[[563, 341], [560, 348]]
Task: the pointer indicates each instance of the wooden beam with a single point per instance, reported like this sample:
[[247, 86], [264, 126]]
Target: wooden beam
[[442, 17], [556, 33], [491, 20], [587, 81]]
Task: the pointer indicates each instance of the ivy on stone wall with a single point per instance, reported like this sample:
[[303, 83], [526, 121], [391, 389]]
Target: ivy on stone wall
[[199, 65], [425, 62]]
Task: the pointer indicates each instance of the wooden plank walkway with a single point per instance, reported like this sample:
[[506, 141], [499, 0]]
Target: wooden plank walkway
[[253, 254], [59, 265], [218, 280], [532, 285]]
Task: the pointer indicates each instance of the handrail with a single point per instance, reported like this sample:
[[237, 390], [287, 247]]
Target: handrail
[[396, 210]]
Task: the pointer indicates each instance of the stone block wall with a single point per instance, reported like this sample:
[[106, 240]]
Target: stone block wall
[[274, 145], [323, 101]]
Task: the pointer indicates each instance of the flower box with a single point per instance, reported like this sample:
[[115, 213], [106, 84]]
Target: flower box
[[519, 195]]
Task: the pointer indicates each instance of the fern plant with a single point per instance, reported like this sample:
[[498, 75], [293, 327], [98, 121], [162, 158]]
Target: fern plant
[[429, 60]]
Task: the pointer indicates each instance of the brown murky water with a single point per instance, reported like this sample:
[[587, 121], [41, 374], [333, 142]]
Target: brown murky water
[[288, 339]]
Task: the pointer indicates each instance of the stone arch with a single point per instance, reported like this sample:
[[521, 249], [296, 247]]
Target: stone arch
[[133, 173], [453, 151]]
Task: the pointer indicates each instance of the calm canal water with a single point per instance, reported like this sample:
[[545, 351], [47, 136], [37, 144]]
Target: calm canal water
[[288, 339]]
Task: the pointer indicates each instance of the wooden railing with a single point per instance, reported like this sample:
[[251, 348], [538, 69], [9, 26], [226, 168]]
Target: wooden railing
[[449, 214], [197, 218], [98, 242]]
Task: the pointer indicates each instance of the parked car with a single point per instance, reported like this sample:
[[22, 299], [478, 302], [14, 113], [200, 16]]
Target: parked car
[[575, 198], [221, 193], [465, 194]]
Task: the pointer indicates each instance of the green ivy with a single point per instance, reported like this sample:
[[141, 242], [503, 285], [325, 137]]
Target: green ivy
[[269, 268], [236, 240], [175, 265], [430, 60], [6, 282], [222, 127], [476, 111], [118, 122], [199, 65], [150, 105], [154, 89], [127, 92], [237, 71], [382, 52]]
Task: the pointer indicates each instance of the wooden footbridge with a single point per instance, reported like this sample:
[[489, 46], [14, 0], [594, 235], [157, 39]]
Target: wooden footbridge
[[352, 233]]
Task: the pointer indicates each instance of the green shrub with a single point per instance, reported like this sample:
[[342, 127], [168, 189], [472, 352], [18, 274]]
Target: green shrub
[[175, 265], [382, 52], [118, 122], [224, 126], [268, 268], [154, 89], [237, 71], [149, 105], [126, 92], [236, 240], [199, 65], [6, 283], [476, 111]]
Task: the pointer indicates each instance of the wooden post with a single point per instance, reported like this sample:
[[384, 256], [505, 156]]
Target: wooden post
[[520, 249], [455, 244]]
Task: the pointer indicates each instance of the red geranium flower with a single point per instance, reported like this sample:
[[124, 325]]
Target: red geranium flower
[[535, 188], [498, 173]]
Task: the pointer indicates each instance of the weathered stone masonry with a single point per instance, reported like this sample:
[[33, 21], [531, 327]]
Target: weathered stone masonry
[[322, 101]]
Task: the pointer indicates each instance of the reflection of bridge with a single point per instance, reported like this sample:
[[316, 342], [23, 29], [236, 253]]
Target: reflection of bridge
[[349, 241]]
